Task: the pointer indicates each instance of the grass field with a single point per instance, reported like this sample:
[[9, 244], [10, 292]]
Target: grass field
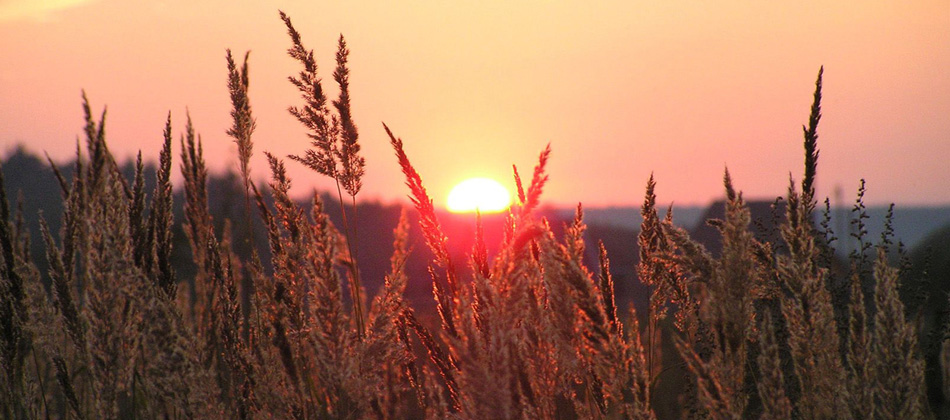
[[765, 329]]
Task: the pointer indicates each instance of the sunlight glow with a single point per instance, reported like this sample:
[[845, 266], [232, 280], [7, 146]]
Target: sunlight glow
[[481, 194]]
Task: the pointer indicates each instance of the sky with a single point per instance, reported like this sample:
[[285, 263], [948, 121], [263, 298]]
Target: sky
[[620, 89]]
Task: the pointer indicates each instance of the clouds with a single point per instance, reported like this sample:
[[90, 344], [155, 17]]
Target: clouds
[[35, 10]]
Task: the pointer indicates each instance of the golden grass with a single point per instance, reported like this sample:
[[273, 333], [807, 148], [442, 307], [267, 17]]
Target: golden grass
[[534, 334]]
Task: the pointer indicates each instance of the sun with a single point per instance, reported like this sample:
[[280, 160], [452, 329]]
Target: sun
[[479, 194]]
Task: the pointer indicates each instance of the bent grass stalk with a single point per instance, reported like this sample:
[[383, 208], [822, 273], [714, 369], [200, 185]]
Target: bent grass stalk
[[334, 138]]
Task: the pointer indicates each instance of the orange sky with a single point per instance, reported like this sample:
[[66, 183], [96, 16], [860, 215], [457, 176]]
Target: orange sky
[[620, 89]]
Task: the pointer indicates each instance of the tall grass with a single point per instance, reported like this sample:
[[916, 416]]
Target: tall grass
[[758, 331]]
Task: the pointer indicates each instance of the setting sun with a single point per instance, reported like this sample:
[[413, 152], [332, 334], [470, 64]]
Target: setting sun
[[481, 194]]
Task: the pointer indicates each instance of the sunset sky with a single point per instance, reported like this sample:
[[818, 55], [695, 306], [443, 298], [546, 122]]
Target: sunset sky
[[619, 88]]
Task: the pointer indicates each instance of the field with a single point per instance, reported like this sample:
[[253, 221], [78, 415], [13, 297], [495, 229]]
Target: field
[[522, 328]]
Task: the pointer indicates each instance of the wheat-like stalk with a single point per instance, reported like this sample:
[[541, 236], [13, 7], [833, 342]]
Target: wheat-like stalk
[[244, 124]]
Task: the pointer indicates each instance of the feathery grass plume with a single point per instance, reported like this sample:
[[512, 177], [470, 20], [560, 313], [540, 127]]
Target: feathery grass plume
[[858, 256], [351, 174], [334, 140], [121, 306], [827, 235], [824, 237], [242, 129], [100, 158], [73, 232], [859, 270], [283, 293], [95, 140], [665, 285], [197, 225], [314, 114], [606, 283], [731, 295], [334, 362], [811, 146], [728, 311], [351, 162], [112, 283], [168, 370], [446, 295], [67, 294], [506, 347], [496, 362], [161, 220], [278, 300], [896, 363], [267, 218], [335, 150], [139, 227], [196, 185], [531, 198], [574, 235], [244, 124], [518, 185], [294, 267], [272, 291], [687, 263], [572, 289], [887, 235], [808, 311], [498, 369], [331, 371], [218, 336]]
